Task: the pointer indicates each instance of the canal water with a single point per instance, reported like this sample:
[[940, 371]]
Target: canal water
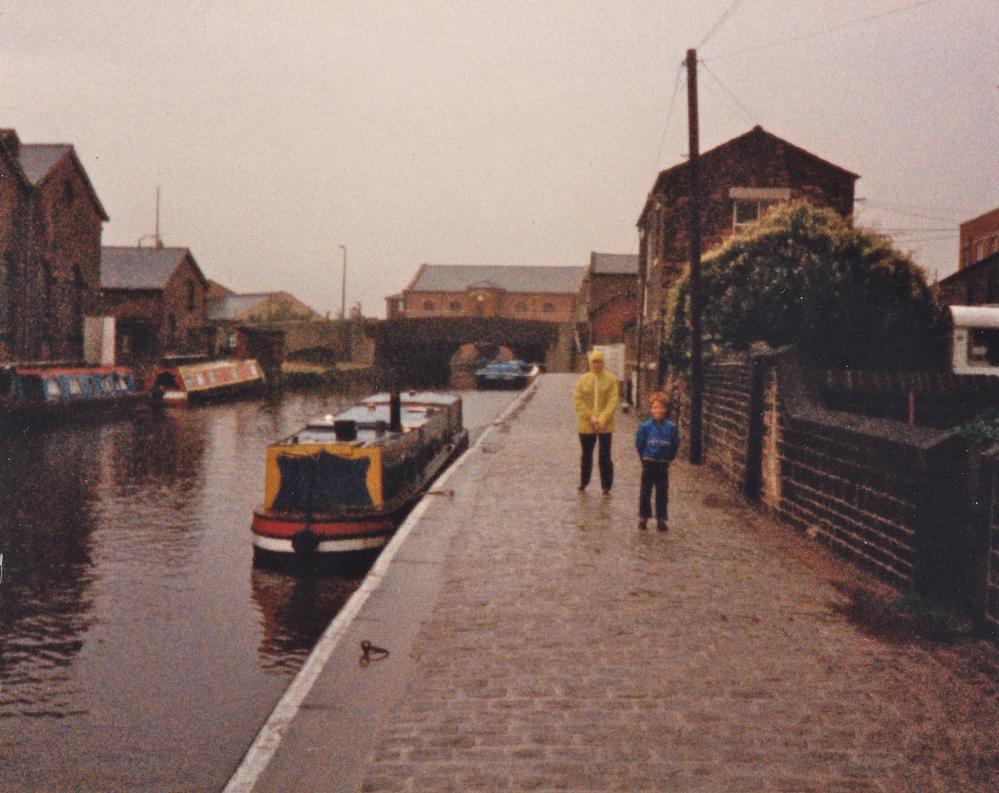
[[140, 648]]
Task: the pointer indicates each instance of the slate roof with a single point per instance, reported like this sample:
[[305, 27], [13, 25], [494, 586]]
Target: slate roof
[[460, 277], [38, 159], [613, 263], [992, 260], [140, 268]]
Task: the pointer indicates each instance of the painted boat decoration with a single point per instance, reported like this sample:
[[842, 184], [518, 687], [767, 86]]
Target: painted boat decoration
[[505, 374], [179, 380], [344, 482], [51, 388]]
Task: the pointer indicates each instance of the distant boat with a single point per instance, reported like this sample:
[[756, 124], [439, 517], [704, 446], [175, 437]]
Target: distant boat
[[505, 374], [55, 388], [344, 482], [177, 380]]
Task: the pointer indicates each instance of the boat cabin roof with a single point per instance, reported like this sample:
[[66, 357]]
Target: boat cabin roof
[[371, 417], [975, 316]]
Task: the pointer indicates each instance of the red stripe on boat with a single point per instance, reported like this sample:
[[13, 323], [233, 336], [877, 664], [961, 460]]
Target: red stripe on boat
[[283, 529]]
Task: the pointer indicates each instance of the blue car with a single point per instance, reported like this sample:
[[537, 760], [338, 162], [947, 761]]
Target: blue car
[[505, 374]]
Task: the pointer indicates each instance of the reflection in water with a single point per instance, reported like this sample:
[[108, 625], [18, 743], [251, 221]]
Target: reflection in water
[[295, 607], [134, 629], [46, 531]]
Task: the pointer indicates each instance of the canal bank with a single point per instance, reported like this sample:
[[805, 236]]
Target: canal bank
[[539, 640]]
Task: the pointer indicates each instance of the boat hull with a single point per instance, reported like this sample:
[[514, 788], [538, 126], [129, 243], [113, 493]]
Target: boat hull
[[284, 534]]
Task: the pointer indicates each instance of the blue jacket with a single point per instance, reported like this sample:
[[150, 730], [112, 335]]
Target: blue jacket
[[657, 442]]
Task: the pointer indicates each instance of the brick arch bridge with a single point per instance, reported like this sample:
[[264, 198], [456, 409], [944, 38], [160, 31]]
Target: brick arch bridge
[[416, 352]]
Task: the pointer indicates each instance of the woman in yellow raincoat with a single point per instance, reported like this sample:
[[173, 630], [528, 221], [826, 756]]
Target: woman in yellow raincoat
[[595, 399]]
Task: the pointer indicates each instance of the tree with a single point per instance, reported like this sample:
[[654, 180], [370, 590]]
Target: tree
[[801, 275]]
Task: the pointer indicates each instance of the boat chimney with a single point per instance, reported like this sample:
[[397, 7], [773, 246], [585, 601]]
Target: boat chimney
[[395, 411], [345, 429]]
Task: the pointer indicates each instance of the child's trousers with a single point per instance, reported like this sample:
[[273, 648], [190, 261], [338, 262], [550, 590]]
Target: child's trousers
[[655, 475]]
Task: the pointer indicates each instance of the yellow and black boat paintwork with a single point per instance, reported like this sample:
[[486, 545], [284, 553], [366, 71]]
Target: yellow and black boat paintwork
[[342, 483]]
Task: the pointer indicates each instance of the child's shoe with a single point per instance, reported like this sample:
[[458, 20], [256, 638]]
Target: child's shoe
[[642, 523], [661, 524]]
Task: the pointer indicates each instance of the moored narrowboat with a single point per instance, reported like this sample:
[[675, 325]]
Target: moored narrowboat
[[177, 380], [344, 482], [44, 389]]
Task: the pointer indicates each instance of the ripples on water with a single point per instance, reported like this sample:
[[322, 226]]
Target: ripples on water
[[140, 649]]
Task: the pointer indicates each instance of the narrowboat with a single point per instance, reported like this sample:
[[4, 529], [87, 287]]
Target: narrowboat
[[42, 389], [177, 380], [505, 374], [344, 482]]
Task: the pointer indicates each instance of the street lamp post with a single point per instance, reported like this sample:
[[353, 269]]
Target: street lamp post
[[343, 285]]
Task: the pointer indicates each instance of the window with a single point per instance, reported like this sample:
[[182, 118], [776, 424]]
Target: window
[[76, 302], [52, 388], [455, 305], [6, 293], [428, 305], [750, 203], [192, 296], [44, 287], [548, 308], [521, 307], [983, 347]]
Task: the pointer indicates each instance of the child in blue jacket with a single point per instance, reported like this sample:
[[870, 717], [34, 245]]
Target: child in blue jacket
[[657, 441]]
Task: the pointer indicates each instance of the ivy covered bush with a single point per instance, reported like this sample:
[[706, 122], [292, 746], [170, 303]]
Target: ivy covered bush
[[801, 275]]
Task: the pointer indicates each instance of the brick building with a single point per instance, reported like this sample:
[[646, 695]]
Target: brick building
[[609, 296], [979, 238], [50, 249], [158, 299], [976, 281], [739, 179], [549, 294]]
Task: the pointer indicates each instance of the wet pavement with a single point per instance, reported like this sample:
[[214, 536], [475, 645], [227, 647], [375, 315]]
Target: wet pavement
[[539, 641], [140, 649]]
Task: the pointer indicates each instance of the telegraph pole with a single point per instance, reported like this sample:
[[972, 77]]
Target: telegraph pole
[[696, 373]]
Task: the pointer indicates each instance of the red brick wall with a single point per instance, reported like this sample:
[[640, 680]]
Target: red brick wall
[[186, 331], [979, 238], [13, 251], [613, 304], [71, 250], [755, 160], [496, 303], [882, 493]]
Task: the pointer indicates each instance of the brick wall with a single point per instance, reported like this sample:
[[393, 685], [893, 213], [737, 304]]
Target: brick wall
[[887, 495], [727, 413], [72, 255], [613, 305], [990, 464], [495, 303]]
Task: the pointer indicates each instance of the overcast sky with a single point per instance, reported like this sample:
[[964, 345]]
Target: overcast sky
[[496, 132]]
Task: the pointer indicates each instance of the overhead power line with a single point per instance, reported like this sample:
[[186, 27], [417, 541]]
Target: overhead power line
[[721, 21], [749, 114], [669, 114], [823, 31], [907, 211]]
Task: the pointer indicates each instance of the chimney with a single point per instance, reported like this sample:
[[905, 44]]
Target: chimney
[[9, 139]]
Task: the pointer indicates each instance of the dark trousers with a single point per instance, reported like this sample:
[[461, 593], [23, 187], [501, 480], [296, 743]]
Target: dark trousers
[[587, 440], [654, 475]]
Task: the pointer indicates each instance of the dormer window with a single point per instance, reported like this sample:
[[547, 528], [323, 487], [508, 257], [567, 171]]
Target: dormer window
[[750, 203]]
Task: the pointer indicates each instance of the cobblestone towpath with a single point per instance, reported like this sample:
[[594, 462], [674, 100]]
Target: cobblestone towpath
[[541, 641]]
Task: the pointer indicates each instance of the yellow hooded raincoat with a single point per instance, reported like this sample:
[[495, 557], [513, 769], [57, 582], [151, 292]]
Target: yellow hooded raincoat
[[595, 394]]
